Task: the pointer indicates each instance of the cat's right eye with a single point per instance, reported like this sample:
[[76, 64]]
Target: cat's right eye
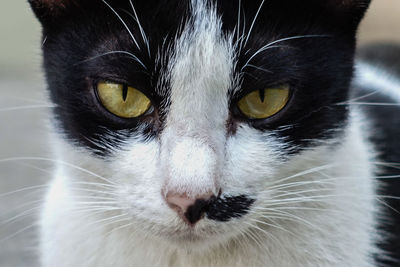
[[122, 100]]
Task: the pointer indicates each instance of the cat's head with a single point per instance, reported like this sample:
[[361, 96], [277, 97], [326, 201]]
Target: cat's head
[[195, 114]]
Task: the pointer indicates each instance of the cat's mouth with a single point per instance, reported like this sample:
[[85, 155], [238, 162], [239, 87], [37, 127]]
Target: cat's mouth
[[221, 211]]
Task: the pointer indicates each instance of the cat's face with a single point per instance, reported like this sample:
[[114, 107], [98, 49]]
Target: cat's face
[[235, 97]]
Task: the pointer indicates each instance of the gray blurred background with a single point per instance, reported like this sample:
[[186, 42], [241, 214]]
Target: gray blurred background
[[23, 120]]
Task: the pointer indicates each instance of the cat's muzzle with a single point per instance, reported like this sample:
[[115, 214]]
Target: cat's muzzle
[[218, 208]]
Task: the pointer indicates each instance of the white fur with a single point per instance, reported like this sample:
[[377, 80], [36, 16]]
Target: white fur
[[326, 192], [379, 80], [338, 233]]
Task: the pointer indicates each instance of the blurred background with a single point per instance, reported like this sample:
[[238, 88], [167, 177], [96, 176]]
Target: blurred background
[[23, 120]]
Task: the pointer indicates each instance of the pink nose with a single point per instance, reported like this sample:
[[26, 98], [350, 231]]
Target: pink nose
[[191, 210]]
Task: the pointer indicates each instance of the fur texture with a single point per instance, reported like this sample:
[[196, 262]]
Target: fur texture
[[303, 176]]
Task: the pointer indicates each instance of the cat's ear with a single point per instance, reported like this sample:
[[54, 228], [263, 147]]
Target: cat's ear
[[349, 11], [47, 10]]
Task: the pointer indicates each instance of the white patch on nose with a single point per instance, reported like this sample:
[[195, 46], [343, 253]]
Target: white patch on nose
[[192, 168], [194, 137]]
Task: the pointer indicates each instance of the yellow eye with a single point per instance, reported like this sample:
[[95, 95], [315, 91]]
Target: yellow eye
[[123, 101], [262, 104]]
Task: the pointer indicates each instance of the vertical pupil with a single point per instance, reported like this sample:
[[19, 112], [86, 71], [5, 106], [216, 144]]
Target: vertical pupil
[[124, 92], [262, 95]]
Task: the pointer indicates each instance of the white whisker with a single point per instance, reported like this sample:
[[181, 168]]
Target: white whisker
[[26, 107], [112, 53], [370, 104], [387, 205], [254, 21], [359, 98], [107, 219], [60, 162], [238, 20], [145, 38], [20, 215], [271, 45], [312, 170], [123, 22], [258, 68], [23, 190], [18, 232]]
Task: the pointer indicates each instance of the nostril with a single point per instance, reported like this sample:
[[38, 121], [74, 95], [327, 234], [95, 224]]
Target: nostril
[[196, 211], [189, 209], [179, 203]]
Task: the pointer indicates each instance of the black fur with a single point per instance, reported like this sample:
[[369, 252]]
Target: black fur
[[220, 209], [226, 208], [319, 69]]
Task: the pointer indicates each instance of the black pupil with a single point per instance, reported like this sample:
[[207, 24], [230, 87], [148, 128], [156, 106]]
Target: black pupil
[[262, 95], [125, 92]]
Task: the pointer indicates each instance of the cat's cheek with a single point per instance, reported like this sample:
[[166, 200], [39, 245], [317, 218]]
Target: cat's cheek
[[252, 157], [137, 172]]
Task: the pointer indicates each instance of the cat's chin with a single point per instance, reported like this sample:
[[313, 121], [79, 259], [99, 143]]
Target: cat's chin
[[199, 238], [192, 242]]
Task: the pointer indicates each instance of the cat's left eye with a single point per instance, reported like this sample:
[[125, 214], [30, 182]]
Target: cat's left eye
[[122, 100], [262, 104]]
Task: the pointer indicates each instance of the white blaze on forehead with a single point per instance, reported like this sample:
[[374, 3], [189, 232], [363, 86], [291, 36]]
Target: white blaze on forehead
[[201, 72], [201, 75]]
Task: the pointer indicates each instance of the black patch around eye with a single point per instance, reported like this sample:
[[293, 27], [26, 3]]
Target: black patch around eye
[[92, 43], [86, 43]]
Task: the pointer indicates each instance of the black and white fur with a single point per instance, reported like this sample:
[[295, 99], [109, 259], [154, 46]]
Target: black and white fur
[[296, 189]]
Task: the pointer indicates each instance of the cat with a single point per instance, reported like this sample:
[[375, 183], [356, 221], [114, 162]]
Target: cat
[[214, 133]]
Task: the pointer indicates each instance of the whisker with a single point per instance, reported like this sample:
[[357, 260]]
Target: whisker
[[387, 205], [27, 99], [312, 170], [95, 202], [238, 20], [253, 22], [359, 98], [370, 104], [84, 198], [271, 225], [250, 235], [270, 45], [145, 38], [26, 107], [132, 56], [255, 54], [271, 236], [23, 190], [289, 215], [18, 232], [123, 22], [299, 193], [301, 183], [94, 191], [107, 219], [119, 228], [34, 202], [259, 68], [59, 162], [20, 215], [388, 197]]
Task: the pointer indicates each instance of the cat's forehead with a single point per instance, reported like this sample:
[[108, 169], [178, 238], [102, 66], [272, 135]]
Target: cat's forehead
[[195, 60]]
